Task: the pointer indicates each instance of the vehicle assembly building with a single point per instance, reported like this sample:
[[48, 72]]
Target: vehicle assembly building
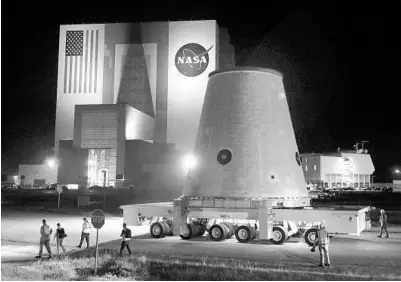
[[129, 99]]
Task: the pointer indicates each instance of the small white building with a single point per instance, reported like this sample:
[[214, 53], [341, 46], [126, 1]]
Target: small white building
[[397, 186], [37, 174], [338, 169]]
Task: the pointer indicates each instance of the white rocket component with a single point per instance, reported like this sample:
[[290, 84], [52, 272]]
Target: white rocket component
[[245, 145]]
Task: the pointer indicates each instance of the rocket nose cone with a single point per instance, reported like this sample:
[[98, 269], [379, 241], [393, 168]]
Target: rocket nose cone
[[246, 140]]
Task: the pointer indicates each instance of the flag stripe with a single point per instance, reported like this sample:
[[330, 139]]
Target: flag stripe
[[69, 75], [96, 55], [80, 75], [86, 59], [91, 60], [73, 75]]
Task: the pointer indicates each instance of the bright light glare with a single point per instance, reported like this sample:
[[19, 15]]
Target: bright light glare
[[397, 171], [51, 163], [188, 162]]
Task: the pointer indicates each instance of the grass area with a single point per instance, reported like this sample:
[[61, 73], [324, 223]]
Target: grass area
[[144, 267]]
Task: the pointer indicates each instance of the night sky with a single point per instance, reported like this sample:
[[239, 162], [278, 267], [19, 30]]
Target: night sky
[[341, 66]]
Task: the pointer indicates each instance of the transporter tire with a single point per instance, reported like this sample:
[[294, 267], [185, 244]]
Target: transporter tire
[[231, 229], [156, 230], [280, 235], [244, 234], [310, 236], [188, 233], [170, 226], [196, 229], [218, 232], [203, 230], [167, 230], [254, 233]]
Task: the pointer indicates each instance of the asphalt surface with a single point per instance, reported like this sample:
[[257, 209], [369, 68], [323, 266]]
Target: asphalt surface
[[20, 238], [20, 232]]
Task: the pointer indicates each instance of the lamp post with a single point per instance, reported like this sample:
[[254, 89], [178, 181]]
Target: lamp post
[[104, 189]]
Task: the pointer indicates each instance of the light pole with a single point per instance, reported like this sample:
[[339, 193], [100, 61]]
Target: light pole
[[104, 189], [363, 142]]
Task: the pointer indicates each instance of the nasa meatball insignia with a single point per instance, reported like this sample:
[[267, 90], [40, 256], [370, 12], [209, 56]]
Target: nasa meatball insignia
[[192, 59]]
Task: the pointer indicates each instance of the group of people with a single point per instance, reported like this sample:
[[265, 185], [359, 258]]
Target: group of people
[[45, 236], [60, 234]]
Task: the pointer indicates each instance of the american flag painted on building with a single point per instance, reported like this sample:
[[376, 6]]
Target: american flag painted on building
[[81, 61]]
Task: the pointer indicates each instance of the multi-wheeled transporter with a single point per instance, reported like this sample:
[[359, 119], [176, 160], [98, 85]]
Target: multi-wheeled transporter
[[248, 179]]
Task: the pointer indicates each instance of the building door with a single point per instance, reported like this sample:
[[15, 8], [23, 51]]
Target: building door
[[98, 167]]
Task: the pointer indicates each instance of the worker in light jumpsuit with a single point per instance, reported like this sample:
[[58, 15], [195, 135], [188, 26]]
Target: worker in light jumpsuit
[[383, 223], [322, 240]]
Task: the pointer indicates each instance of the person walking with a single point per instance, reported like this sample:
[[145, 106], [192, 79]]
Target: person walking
[[126, 236], [60, 235], [383, 223], [45, 232], [322, 240], [86, 230]]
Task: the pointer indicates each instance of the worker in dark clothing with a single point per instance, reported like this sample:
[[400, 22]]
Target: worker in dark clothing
[[323, 240], [60, 235], [383, 223], [126, 236]]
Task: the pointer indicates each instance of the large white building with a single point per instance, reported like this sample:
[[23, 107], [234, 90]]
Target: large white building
[[338, 169], [129, 98]]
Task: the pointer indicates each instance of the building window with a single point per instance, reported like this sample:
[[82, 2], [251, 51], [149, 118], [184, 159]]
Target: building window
[[314, 167], [306, 160], [306, 168]]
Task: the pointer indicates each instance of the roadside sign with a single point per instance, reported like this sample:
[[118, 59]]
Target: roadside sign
[[97, 219]]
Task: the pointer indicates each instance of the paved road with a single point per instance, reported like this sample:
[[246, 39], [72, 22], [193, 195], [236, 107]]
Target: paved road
[[365, 251], [20, 242], [20, 232]]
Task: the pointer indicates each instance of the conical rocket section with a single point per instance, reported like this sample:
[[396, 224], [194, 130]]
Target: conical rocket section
[[245, 145]]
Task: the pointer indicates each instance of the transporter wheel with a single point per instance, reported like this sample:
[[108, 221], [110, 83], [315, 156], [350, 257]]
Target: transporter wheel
[[218, 232], [187, 234], [244, 234], [231, 229], [254, 232], [167, 230], [196, 229], [280, 235], [203, 230], [310, 236], [170, 227], [156, 230]]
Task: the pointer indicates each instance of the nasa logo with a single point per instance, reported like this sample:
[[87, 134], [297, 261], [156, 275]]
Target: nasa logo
[[192, 59]]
